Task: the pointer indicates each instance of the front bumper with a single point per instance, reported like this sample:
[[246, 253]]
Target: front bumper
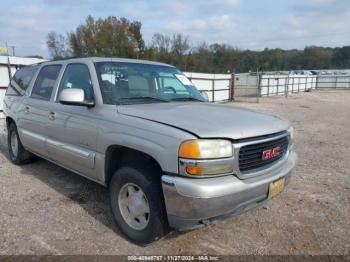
[[194, 203]]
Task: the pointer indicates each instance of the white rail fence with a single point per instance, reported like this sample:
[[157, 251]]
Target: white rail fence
[[217, 86], [251, 86], [333, 81], [286, 84]]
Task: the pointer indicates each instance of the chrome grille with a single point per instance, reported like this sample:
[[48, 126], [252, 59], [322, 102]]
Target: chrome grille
[[250, 156]]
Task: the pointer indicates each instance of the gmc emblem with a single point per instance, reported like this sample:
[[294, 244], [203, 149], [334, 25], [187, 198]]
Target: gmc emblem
[[271, 153]]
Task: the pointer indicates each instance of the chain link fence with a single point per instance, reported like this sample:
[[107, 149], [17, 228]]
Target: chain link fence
[[245, 87]]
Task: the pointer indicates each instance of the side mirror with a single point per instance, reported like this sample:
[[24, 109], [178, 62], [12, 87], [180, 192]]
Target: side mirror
[[74, 97], [205, 95]]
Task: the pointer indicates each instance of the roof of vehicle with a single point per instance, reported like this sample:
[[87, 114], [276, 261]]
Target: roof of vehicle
[[106, 59]]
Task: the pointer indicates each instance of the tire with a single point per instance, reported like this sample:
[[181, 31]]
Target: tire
[[18, 154], [148, 181]]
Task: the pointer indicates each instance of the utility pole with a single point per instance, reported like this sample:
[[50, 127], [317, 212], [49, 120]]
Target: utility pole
[[13, 49]]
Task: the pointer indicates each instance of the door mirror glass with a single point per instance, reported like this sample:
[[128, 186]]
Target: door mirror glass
[[75, 97]]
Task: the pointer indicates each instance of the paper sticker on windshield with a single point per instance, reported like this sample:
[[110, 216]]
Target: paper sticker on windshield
[[184, 80]]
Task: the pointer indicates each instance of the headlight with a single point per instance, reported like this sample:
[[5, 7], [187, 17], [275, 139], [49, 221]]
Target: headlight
[[291, 134], [206, 157], [206, 149]]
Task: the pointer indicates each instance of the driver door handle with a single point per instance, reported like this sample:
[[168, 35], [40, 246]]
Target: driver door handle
[[52, 116]]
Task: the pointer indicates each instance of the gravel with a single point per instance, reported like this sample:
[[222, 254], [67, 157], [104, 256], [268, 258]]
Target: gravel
[[45, 209]]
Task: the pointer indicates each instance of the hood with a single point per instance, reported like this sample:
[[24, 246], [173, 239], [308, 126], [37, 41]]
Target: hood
[[207, 120]]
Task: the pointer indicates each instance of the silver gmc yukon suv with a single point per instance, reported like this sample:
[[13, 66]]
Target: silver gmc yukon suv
[[169, 158]]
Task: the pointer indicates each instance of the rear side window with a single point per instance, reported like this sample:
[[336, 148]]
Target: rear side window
[[21, 81], [45, 82]]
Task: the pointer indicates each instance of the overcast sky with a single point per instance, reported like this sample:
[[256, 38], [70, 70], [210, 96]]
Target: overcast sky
[[246, 24]]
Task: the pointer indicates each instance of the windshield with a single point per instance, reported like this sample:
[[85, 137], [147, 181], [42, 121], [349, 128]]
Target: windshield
[[129, 83]]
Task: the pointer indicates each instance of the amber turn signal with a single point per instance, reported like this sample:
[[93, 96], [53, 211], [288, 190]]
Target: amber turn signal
[[189, 149]]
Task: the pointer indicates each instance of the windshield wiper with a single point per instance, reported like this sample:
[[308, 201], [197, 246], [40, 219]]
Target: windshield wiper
[[141, 98], [186, 98]]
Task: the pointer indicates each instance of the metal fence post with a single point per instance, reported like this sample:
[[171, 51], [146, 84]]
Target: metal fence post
[[232, 87], [336, 82], [286, 84], [213, 90], [312, 83], [258, 91]]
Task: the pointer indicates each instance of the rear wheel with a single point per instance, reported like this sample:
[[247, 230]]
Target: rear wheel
[[137, 204], [18, 154]]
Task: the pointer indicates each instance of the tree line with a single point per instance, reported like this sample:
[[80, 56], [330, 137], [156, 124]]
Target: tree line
[[120, 37]]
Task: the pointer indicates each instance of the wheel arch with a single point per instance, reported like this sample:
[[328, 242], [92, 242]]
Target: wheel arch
[[117, 156]]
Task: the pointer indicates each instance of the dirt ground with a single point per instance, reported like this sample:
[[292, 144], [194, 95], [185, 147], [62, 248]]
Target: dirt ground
[[45, 209]]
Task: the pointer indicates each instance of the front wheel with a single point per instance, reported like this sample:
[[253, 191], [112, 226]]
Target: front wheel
[[137, 205]]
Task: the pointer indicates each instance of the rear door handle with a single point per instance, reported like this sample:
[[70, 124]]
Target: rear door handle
[[27, 109], [52, 116]]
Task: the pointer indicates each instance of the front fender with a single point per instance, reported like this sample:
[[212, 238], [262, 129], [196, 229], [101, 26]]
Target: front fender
[[154, 139]]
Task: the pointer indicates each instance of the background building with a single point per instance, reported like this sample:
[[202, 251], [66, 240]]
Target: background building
[[8, 67]]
